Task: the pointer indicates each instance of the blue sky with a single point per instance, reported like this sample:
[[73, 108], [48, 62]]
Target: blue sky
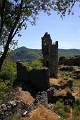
[[66, 31]]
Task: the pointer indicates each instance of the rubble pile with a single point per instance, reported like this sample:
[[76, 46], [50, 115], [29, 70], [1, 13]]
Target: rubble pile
[[12, 106]]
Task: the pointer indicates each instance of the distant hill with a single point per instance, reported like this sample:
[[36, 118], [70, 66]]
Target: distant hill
[[24, 53], [69, 52]]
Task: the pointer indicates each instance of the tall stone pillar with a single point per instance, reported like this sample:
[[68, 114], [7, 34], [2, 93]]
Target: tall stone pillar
[[50, 55]]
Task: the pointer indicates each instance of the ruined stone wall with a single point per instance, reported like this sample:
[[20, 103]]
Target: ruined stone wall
[[50, 54], [37, 79], [72, 61], [22, 73], [54, 60]]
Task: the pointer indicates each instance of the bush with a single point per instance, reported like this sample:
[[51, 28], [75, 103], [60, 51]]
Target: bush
[[37, 64], [16, 116], [76, 110], [77, 104], [8, 71], [59, 109], [4, 87]]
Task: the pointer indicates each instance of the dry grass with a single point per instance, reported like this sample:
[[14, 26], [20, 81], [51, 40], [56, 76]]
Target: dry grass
[[25, 96], [76, 91], [42, 113], [59, 81], [63, 92], [54, 81]]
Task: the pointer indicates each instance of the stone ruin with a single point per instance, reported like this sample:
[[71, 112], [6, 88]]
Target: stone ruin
[[70, 61], [36, 79], [50, 54], [37, 83], [39, 79]]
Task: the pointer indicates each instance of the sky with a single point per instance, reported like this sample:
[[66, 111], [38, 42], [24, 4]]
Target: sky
[[66, 31]]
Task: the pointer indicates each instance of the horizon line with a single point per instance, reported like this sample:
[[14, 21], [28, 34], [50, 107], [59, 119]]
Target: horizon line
[[40, 48]]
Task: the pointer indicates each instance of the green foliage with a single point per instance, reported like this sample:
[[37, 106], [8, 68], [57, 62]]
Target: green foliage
[[14, 15], [76, 110], [77, 104], [3, 86], [66, 6], [7, 76], [67, 53], [8, 71], [24, 53], [59, 109], [16, 116], [37, 64]]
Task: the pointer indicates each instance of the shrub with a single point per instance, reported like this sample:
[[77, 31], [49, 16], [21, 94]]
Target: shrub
[[37, 64], [8, 71], [76, 111], [59, 109], [77, 104], [16, 116], [3, 87]]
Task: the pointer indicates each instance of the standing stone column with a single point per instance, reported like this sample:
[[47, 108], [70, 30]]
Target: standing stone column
[[50, 55]]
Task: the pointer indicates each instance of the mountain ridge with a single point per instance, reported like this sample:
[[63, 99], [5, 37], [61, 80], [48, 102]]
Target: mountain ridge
[[24, 53]]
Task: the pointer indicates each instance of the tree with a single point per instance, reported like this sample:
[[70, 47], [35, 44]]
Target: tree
[[66, 6], [14, 15]]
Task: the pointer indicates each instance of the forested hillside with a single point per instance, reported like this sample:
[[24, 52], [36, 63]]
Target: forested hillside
[[24, 53]]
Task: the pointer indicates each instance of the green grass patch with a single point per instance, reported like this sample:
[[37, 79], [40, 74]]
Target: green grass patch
[[37, 64]]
